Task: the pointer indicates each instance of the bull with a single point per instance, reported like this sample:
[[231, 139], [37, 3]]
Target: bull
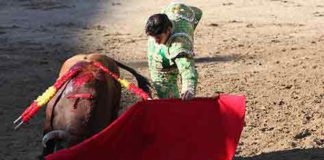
[[85, 104]]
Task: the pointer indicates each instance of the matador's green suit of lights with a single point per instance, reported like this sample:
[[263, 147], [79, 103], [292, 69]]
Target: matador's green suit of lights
[[175, 58]]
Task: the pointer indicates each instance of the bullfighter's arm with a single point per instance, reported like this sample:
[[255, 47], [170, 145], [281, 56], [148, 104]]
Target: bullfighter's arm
[[188, 72]]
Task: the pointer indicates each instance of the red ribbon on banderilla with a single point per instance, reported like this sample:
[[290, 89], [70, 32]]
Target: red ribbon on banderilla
[[51, 91]]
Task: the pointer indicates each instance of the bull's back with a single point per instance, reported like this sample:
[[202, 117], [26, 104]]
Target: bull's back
[[79, 116], [83, 117], [103, 59]]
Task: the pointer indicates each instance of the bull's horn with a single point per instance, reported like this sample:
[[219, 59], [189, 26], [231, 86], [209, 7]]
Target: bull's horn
[[56, 134]]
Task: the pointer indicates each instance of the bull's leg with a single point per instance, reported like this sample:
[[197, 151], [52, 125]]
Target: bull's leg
[[115, 108], [61, 144]]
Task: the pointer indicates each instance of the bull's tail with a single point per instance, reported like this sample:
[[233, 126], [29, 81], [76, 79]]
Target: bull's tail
[[142, 81]]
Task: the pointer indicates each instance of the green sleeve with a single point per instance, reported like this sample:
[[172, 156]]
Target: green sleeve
[[149, 54], [198, 15], [188, 73], [180, 45]]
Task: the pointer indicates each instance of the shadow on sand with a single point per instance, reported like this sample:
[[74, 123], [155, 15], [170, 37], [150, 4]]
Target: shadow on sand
[[296, 154], [198, 60]]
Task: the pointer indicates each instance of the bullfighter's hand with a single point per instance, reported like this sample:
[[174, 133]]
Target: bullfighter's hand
[[188, 95]]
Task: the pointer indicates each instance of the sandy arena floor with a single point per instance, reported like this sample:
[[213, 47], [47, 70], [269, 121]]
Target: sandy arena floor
[[271, 51]]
